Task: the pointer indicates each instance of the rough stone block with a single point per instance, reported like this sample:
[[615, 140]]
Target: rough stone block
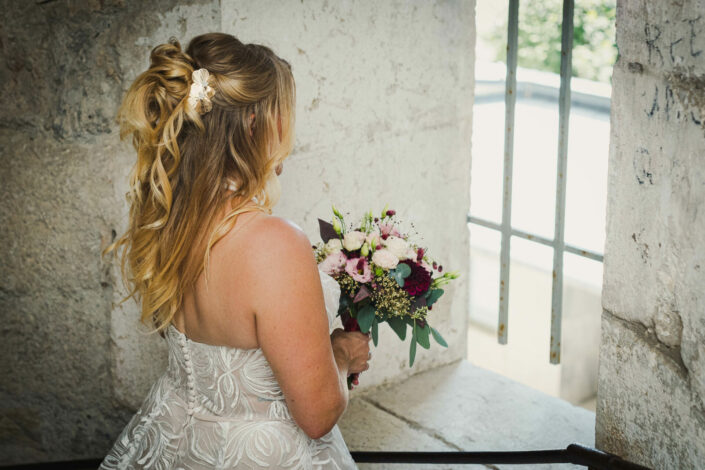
[[654, 269], [647, 410]]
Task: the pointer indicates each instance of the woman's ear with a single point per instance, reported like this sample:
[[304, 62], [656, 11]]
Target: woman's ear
[[252, 123]]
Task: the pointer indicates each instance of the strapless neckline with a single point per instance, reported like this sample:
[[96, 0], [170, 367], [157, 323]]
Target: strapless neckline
[[331, 295]]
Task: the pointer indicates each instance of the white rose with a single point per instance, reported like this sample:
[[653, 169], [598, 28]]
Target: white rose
[[385, 259], [353, 240], [410, 254], [333, 245], [398, 246]]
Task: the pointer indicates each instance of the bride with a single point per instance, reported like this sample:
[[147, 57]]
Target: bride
[[256, 375]]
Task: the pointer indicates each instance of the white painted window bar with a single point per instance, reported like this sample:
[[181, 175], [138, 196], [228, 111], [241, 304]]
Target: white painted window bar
[[558, 242]]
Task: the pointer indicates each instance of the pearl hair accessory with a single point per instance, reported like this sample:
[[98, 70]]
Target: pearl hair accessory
[[200, 94]]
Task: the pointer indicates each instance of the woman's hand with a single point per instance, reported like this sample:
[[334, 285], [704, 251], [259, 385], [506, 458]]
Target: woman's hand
[[353, 347]]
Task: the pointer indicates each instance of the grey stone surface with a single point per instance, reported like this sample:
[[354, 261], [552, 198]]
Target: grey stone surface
[[63, 172], [463, 407], [384, 105], [652, 362], [381, 87], [366, 427]]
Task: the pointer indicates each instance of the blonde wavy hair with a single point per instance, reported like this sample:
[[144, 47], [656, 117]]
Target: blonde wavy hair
[[185, 159]]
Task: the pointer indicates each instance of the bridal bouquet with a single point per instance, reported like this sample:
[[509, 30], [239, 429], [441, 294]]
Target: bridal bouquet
[[384, 278]]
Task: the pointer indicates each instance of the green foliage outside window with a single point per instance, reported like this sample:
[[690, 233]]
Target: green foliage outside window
[[594, 48]]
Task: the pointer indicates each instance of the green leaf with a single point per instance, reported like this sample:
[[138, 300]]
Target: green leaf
[[399, 326], [365, 317], [403, 269], [412, 348], [433, 295], [439, 339], [422, 336], [394, 274], [375, 331]]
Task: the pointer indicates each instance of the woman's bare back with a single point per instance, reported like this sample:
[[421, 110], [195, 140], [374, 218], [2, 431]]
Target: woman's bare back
[[220, 313]]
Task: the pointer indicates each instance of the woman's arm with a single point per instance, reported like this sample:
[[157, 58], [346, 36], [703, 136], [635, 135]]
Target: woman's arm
[[285, 293]]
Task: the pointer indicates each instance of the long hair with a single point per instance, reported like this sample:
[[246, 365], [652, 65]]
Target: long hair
[[185, 159]]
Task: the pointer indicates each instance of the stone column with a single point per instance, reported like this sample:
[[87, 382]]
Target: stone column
[[651, 392]]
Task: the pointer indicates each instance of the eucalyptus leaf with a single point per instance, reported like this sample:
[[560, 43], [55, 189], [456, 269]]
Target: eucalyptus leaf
[[397, 276], [399, 326], [404, 270], [375, 331], [434, 295], [412, 348], [422, 336], [365, 317], [439, 339]]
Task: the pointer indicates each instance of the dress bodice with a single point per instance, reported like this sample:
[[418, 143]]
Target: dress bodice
[[220, 382], [217, 407]]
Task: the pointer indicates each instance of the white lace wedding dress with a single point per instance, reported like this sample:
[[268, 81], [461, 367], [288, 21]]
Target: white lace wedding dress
[[217, 407]]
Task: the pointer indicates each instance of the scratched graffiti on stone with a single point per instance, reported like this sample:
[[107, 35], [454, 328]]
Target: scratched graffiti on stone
[[642, 166], [676, 47], [672, 43]]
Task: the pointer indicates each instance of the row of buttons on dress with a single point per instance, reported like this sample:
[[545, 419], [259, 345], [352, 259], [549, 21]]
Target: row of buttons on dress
[[191, 381]]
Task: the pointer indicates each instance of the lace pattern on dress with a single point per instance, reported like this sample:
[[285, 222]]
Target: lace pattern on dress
[[220, 407]]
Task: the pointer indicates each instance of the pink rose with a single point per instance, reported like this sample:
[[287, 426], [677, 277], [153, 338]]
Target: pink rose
[[359, 269], [334, 263]]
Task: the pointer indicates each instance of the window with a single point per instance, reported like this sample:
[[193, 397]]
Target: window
[[538, 201]]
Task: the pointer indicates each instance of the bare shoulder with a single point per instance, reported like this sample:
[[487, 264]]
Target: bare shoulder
[[278, 231], [274, 240]]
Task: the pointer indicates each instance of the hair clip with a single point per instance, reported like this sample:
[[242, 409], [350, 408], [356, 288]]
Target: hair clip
[[200, 94]]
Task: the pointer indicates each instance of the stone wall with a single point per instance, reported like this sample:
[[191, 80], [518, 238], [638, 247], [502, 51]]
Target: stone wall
[[651, 392], [383, 116], [384, 103], [65, 66]]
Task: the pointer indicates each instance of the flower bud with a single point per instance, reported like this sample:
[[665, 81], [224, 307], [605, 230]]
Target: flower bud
[[337, 227], [365, 250], [337, 213]]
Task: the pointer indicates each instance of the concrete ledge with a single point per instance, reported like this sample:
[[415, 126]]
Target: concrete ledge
[[462, 407]]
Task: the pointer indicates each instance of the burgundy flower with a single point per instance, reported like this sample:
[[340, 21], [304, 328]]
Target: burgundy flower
[[418, 281]]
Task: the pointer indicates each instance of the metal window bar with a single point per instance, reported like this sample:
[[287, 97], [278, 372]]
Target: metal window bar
[[510, 97], [563, 119], [558, 242]]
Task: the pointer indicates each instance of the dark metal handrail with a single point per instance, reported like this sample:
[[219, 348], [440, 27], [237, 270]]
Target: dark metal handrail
[[576, 454]]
